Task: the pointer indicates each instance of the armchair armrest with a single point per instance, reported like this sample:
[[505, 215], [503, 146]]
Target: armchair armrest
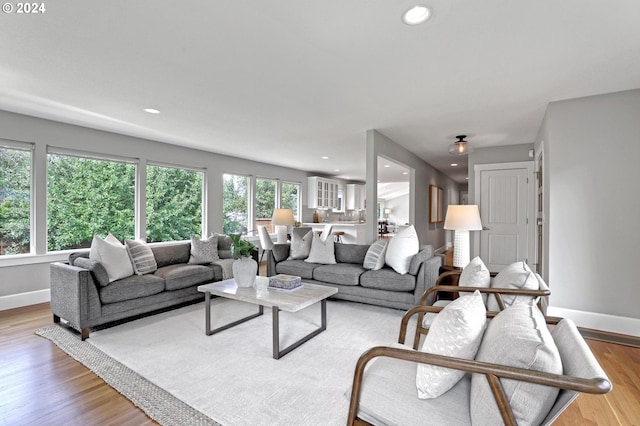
[[493, 373]]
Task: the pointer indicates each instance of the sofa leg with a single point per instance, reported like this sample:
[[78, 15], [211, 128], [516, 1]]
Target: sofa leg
[[84, 334], [56, 319]]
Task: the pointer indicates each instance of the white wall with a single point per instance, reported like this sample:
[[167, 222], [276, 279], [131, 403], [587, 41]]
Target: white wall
[[421, 176], [592, 151], [399, 209], [32, 273]]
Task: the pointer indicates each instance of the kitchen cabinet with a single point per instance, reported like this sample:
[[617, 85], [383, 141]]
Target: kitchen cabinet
[[323, 193], [356, 195]]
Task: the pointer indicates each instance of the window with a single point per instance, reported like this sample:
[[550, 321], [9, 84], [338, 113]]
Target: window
[[15, 200], [174, 203], [235, 204], [289, 197], [265, 202], [87, 196]]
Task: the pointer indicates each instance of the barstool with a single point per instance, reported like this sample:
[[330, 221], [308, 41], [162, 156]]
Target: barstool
[[338, 236]]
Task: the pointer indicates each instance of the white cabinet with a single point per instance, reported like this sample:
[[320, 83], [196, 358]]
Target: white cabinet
[[323, 192], [356, 195]]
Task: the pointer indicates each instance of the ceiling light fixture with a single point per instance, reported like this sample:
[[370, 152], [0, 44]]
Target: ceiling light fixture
[[454, 164], [324, 157], [387, 165], [416, 15], [460, 147], [151, 111]]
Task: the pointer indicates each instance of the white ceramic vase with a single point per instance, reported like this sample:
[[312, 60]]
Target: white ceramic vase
[[245, 271]]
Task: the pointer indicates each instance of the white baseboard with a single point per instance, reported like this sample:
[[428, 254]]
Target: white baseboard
[[602, 322], [24, 299]]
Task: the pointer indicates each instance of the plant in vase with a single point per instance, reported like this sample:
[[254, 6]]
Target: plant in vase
[[245, 268]]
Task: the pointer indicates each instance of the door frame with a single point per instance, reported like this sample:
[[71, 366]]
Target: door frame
[[531, 205]]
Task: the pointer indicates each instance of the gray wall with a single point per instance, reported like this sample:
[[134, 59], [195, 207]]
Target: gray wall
[[592, 150], [34, 275], [422, 175]]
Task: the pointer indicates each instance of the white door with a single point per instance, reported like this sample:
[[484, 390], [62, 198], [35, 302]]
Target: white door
[[504, 194]]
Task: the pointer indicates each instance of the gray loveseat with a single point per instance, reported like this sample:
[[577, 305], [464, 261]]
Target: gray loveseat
[[383, 287], [82, 295]]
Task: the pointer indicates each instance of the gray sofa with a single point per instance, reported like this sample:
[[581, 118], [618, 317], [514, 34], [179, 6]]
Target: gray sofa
[[82, 295], [383, 287]]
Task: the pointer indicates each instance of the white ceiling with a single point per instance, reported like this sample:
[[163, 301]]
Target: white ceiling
[[258, 79]]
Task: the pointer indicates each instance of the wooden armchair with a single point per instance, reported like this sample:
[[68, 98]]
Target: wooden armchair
[[384, 389]]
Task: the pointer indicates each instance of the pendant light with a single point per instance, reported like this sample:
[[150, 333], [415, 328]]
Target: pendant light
[[460, 147]]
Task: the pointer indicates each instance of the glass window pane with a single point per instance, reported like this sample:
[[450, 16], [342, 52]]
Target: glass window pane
[[289, 195], [174, 203], [15, 200], [265, 202], [235, 204], [86, 197]]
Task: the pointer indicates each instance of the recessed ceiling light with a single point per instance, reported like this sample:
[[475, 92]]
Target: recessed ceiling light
[[454, 164], [387, 165], [152, 111], [336, 170], [467, 178], [405, 173], [324, 157], [416, 15]]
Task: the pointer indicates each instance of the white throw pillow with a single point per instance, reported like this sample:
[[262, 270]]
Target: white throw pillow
[[456, 332], [401, 250], [113, 256], [322, 251], [517, 276], [374, 258], [475, 274]]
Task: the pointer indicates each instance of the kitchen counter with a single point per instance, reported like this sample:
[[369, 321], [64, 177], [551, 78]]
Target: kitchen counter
[[354, 232]]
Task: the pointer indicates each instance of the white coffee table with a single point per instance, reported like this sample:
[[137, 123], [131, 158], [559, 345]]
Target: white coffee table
[[277, 300]]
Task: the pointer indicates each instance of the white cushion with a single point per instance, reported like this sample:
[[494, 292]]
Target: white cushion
[[401, 250], [321, 251], [516, 337], [300, 245], [113, 256], [475, 274], [516, 276], [457, 332], [204, 251], [142, 258], [374, 258]]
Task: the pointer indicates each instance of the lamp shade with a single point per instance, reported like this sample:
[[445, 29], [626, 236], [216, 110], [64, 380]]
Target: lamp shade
[[283, 217], [463, 218]]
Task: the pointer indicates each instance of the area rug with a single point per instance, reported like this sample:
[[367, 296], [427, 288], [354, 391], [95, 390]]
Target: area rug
[[168, 367]]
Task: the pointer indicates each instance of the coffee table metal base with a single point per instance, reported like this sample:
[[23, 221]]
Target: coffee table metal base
[[277, 352]]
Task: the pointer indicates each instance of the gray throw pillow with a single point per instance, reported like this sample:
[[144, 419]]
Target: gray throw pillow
[[96, 268], [374, 259], [300, 246], [516, 337], [224, 246], [142, 258], [204, 251]]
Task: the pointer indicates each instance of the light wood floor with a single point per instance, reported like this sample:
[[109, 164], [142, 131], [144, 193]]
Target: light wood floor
[[40, 384]]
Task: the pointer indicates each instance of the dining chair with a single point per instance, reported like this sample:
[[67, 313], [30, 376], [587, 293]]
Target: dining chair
[[265, 240]]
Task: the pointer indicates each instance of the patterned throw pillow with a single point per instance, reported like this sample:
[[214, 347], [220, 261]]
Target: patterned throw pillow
[[142, 258], [457, 332], [374, 259], [321, 251], [300, 246], [475, 274], [203, 251]]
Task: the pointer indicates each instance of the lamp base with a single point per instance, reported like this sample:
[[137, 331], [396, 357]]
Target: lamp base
[[461, 249], [281, 233]]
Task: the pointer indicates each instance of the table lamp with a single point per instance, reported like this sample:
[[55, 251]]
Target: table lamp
[[462, 219], [282, 218]]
